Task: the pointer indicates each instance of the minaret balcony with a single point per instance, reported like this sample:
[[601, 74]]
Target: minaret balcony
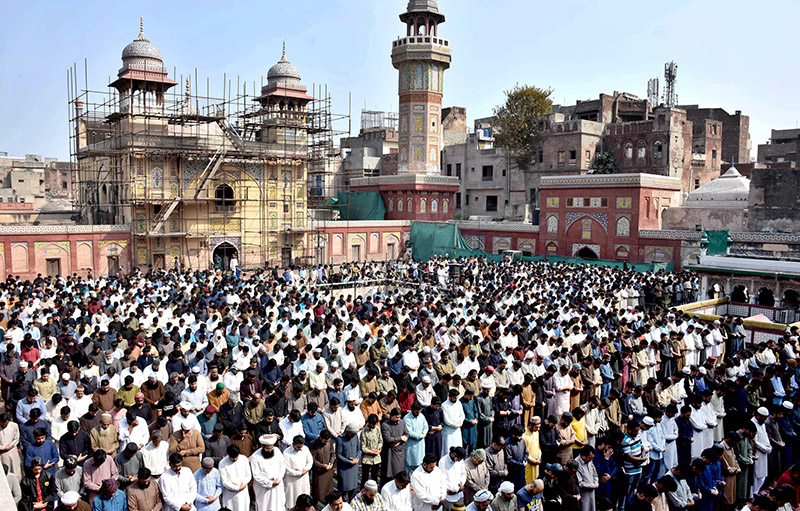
[[421, 48]]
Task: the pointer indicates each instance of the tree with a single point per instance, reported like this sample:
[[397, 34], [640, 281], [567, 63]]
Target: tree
[[604, 164], [518, 122]]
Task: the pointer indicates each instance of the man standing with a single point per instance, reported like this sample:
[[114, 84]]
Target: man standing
[[763, 447], [588, 480], [395, 435], [633, 457], [453, 419], [209, 486], [348, 452], [429, 485], [178, 486], [483, 403], [516, 457], [477, 475], [397, 493], [234, 470], [143, 495], [417, 428], [268, 468], [323, 451], [298, 464], [455, 475]]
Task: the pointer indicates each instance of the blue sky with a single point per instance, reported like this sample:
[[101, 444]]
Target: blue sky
[[739, 55]]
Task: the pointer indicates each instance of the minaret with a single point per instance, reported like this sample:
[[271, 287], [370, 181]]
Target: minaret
[[421, 59]]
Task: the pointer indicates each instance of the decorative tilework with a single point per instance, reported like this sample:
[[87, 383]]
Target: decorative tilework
[[553, 202], [501, 243], [624, 202], [191, 168], [215, 242], [476, 242], [41, 244], [576, 247], [602, 219]]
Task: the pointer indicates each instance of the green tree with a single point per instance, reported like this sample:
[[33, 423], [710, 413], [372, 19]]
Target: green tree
[[518, 122], [604, 164]]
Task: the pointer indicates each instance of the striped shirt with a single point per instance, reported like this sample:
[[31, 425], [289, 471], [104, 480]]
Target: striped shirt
[[632, 446]]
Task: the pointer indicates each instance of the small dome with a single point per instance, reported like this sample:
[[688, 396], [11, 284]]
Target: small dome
[[141, 48], [283, 69], [731, 189], [422, 5]]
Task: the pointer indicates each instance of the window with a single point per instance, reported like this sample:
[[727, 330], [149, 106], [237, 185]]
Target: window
[[628, 153], [446, 205], [434, 206], [488, 172], [491, 203], [541, 156], [423, 205], [504, 172], [552, 224], [570, 202], [604, 202], [449, 169], [713, 129], [623, 227], [467, 199], [400, 205], [587, 202], [458, 170], [561, 156], [458, 201], [63, 185], [657, 151], [285, 208], [641, 153], [588, 158], [696, 183], [410, 204], [573, 155], [391, 205], [714, 156]]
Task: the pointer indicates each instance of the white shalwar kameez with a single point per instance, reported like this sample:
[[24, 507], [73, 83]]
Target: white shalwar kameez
[[297, 483], [762, 449], [452, 417], [234, 474], [269, 496], [564, 385], [428, 488]]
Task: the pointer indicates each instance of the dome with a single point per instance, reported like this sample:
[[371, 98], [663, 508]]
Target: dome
[[422, 5], [141, 48], [283, 69], [729, 190]]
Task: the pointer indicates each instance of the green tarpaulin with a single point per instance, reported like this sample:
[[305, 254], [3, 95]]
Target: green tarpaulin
[[431, 239], [717, 242], [358, 205]]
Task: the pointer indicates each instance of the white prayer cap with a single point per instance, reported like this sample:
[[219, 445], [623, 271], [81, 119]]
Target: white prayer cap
[[486, 385], [703, 370], [686, 370], [196, 370], [319, 385], [186, 426], [65, 376], [371, 485], [528, 355], [483, 496], [267, 439], [762, 411], [648, 421], [334, 364], [506, 487], [70, 498], [788, 405], [23, 364], [292, 343], [185, 405], [426, 379]]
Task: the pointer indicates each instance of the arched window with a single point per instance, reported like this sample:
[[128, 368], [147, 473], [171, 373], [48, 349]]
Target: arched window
[[410, 204], [623, 227], [223, 197], [628, 153], [445, 206], [423, 205], [658, 151], [641, 152], [552, 224], [158, 178], [391, 205], [434, 206], [400, 205]]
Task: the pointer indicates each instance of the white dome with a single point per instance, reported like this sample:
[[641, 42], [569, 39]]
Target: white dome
[[141, 52], [284, 72], [729, 190]]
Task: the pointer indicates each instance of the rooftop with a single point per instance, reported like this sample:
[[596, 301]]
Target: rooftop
[[729, 190]]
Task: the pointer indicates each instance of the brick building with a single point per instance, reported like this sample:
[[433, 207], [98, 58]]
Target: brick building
[[736, 144], [781, 150], [599, 217]]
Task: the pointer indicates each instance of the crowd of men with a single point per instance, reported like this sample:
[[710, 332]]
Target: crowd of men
[[520, 386]]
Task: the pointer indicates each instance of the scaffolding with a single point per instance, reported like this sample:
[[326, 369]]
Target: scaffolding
[[199, 177]]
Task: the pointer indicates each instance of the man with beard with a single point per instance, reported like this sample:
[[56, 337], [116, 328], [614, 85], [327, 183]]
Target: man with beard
[[230, 413], [243, 440], [429, 485], [369, 499], [506, 498], [348, 452], [268, 468], [433, 416], [217, 445], [143, 495]]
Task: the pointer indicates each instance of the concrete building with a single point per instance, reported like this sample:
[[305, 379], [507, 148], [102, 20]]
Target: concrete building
[[736, 143], [774, 201], [781, 150], [364, 155]]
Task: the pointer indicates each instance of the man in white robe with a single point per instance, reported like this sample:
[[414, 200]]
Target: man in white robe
[[452, 418], [563, 386], [429, 485], [268, 468], [762, 449], [234, 469], [178, 486], [397, 493], [298, 464], [455, 475]]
